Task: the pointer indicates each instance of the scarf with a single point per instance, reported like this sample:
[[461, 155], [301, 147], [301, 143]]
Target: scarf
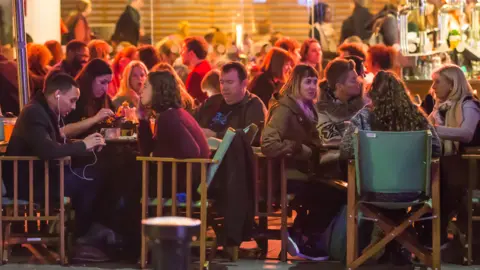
[[336, 109], [449, 114]]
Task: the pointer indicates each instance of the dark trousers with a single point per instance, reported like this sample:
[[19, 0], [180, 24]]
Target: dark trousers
[[82, 194]]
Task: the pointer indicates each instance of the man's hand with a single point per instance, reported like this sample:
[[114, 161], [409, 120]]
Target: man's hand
[[209, 133], [93, 141], [103, 114]]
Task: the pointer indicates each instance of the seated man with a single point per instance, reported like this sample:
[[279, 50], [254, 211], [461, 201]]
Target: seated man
[[37, 133], [237, 109], [340, 99]]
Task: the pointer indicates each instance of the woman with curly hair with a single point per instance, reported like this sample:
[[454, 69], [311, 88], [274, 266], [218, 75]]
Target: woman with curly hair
[[176, 133], [188, 103], [391, 109]]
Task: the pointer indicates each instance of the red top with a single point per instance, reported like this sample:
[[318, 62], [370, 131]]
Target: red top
[[177, 135], [194, 80]]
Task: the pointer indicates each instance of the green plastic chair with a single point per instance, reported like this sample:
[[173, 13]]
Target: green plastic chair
[[392, 163], [393, 170]]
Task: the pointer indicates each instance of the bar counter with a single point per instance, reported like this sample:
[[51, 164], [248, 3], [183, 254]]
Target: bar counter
[[421, 87]]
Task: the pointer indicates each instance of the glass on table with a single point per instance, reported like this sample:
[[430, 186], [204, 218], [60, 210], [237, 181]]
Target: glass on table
[[8, 125], [152, 124]]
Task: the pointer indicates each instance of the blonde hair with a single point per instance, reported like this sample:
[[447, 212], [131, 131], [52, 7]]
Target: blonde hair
[[461, 88], [125, 89]]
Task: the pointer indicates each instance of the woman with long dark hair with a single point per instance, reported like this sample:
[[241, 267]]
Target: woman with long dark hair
[[275, 69], [94, 105]]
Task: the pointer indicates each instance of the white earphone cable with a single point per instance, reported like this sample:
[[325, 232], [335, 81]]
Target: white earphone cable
[[60, 120]]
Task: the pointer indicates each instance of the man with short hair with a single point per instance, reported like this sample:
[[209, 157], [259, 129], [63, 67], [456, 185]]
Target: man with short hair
[[76, 58], [128, 26], [38, 133], [341, 98], [351, 49], [237, 109], [194, 54]]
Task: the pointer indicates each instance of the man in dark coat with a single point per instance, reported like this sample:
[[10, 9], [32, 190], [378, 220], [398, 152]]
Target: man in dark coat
[[128, 25], [237, 109], [76, 58], [355, 25]]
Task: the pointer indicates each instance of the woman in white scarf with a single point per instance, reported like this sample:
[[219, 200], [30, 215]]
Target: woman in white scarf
[[456, 113]]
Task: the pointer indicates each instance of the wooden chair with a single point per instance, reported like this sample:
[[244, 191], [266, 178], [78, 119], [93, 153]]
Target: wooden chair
[[264, 214], [209, 168], [388, 165], [15, 210]]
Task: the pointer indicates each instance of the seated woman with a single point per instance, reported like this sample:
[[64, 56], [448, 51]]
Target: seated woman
[[275, 69], [176, 133], [391, 109], [456, 116], [291, 130], [93, 106], [311, 54], [133, 80], [188, 103]]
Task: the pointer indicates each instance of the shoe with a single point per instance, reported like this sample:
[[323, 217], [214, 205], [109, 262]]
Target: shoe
[[84, 253], [292, 247], [313, 254], [99, 235]]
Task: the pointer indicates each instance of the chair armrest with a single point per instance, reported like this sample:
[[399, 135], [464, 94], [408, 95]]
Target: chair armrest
[[187, 160], [332, 145], [29, 158]]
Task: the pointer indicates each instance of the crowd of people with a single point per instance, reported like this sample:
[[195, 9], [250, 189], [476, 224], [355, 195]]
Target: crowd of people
[[306, 109]]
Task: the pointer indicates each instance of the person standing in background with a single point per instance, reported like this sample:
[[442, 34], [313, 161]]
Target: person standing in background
[[355, 25], [77, 23], [194, 54], [128, 25]]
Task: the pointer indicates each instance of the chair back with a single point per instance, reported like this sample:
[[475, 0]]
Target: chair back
[[251, 132], [219, 155], [393, 162]]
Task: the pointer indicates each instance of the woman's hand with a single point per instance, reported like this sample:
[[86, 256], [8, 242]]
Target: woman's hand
[[103, 114], [143, 113]]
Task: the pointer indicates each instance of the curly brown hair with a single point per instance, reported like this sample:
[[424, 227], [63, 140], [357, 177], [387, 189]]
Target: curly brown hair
[[393, 108], [188, 103], [166, 92]]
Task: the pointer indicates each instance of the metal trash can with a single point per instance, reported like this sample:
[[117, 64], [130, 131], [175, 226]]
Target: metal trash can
[[170, 240]]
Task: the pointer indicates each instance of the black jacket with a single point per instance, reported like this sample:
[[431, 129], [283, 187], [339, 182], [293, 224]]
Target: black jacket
[[232, 190], [218, 116], [37, 133], [128, 27], [355, 25], [264, 86]]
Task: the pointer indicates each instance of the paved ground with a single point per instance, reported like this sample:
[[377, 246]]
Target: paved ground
[[243, 264]]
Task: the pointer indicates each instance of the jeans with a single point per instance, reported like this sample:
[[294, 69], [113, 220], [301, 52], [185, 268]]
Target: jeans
[[82, 194]]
